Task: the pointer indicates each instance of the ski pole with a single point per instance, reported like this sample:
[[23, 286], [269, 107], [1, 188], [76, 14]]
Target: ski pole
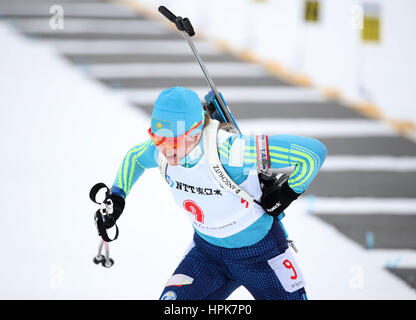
[[108, 261], [99, 257], [105, 261], [100, 247], [100, 216], [185, 26]]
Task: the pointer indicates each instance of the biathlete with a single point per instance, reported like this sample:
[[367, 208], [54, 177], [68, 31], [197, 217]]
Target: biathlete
[[237, 242]]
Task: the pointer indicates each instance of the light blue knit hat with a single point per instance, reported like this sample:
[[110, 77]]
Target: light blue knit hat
[[176, 110]]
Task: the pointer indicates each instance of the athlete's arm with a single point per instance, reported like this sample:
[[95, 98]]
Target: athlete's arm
[[139, 158], [239, 155]]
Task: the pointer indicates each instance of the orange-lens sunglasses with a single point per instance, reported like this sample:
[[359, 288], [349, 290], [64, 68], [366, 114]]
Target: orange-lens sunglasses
[[172, 143]]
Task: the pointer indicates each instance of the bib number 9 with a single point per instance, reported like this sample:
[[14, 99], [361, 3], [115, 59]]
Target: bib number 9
[[194, 209], [289, 265], [287, 271]]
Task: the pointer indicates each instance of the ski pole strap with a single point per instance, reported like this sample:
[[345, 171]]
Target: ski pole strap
[[101, 214], [95, 189], [102, 230]]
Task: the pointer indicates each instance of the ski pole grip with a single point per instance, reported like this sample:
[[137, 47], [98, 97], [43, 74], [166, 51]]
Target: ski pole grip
[[169, 15]]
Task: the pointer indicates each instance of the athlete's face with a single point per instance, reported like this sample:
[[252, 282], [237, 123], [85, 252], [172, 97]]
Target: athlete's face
[[174, 155]]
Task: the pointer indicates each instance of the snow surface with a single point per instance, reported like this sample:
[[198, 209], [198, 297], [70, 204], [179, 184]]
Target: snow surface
[[60, 133]]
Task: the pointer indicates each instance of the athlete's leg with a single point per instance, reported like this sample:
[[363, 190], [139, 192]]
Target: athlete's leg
[[199, 278], [269, 281], [267, 269]]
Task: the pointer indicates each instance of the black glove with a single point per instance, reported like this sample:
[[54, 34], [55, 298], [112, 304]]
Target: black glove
[[111, 209], [114, 206], [277, 195]]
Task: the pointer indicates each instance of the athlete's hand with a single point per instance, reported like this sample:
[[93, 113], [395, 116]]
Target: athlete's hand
[[278, 196], [112, 208]]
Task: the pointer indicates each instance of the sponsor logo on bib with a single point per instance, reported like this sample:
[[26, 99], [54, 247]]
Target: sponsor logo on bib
[[196, 190]]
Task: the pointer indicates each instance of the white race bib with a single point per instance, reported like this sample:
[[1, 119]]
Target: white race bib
[[287, 271]]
